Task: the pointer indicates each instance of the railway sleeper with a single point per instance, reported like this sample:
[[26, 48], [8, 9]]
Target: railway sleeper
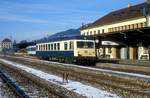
[[12, 84]]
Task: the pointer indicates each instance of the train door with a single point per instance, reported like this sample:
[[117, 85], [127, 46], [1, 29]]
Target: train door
[[118, 53], [135, 53]]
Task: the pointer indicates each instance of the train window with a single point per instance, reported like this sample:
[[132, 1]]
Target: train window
[[58, 46], [71, 45], [65, 46], [85, 45], [46, 47], [51, 46], [43, 47], [55, 46], [37, 47]]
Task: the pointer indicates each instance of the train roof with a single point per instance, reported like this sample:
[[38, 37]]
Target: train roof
[[33, 46], [69, 38]]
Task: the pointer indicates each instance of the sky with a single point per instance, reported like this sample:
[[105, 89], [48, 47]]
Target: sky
[[34, 19]]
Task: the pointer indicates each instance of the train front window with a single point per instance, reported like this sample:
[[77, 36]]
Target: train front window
[[85, 45]]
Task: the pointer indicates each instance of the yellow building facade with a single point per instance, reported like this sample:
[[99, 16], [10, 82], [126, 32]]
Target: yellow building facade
[[133, 19]]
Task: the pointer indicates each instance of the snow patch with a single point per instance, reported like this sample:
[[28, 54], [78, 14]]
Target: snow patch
[[78, 87]]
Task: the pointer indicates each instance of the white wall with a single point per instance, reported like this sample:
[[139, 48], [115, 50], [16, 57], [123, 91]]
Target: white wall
[[124, 53], [143, 52]]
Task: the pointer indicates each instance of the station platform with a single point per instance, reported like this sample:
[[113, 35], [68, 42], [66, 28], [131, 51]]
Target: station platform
[[125, 62], [132, 66]]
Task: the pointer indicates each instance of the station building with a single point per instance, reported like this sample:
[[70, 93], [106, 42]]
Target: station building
[[6, 45], [122, 34]]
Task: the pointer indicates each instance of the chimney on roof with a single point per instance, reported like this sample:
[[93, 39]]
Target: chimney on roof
[[148, 1], [129, 5]]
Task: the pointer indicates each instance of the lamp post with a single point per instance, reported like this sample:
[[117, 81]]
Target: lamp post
[[145, 13]]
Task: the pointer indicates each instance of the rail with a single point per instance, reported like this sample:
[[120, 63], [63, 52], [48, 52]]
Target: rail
[[12, 85]]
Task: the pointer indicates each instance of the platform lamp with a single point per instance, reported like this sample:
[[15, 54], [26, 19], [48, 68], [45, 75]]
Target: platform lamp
[[145, 12]]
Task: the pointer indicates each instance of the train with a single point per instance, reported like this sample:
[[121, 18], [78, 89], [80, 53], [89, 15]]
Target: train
[[78, 49], [31, 50]]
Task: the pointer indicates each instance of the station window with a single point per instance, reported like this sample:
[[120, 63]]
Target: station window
[[99, 32], [132, 26], [94, 32], [109, 29], [112, 29], [137, 25], [116, 28], [91, 33], [122, 27], [119, 28], [125, 27], [103, 31], [142, 25], [87, 33], [65, 46], [128, 27]]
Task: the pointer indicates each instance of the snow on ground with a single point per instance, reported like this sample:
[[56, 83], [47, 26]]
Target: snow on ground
[[97, 69], [94, 69], [82, 89]]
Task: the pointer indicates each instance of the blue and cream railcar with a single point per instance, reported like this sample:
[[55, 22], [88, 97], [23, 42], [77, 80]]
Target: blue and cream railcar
[[76, 49], [31, 50]]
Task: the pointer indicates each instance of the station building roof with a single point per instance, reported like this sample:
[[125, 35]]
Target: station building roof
[[120, 15], [6, 40]]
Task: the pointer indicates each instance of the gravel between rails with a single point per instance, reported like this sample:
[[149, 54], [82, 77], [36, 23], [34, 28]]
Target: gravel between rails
[[6, 91], [32, 89], [122, 86]]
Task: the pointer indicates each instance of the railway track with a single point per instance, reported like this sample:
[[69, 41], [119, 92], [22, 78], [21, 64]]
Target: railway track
[[24, 87], [13, 86], [6, 91], [124, 87]]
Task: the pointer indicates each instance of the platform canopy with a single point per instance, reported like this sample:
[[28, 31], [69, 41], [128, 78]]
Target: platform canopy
[[128, 37]]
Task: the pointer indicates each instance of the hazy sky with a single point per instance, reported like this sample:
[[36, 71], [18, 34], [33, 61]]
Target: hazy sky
[[32, 19]]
